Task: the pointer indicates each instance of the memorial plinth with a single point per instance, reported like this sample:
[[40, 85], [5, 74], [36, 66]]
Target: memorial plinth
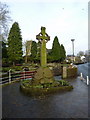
[[44, 74], [43, 81]]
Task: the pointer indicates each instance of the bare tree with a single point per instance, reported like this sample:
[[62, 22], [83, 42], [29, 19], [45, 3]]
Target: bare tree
[[4, 20], [27, 49]]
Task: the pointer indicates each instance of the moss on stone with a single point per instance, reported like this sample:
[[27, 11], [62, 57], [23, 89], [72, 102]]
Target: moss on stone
[[72, 72], [39, 91], [47, 72], [44, 88], [43, 75]]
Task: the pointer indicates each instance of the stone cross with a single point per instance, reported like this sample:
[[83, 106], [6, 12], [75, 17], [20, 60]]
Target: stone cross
[[43, 38]]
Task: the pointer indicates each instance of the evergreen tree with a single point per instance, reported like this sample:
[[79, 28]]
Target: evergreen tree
[[55, 53], [4, 50], [4, 54], [63, 53], [33, 51], [38, 51], [15, 44], [49, 56]]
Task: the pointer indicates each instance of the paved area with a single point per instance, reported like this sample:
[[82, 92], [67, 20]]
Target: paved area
[[73, 104]]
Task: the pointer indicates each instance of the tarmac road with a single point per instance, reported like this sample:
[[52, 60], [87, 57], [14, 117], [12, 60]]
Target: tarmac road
[[73, 104], [84, 69]]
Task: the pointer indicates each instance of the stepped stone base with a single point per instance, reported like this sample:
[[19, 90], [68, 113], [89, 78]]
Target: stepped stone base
[[43, 75]]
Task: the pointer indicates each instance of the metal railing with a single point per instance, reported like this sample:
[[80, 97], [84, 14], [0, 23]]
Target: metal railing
[[16, 76]]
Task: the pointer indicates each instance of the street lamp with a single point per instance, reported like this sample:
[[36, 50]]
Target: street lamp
[[73, 48]]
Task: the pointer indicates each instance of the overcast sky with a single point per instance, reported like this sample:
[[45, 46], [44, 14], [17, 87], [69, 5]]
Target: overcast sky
[[66, 19]]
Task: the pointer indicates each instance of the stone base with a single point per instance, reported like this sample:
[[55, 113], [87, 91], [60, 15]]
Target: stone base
[[36, 91], [43, 75]]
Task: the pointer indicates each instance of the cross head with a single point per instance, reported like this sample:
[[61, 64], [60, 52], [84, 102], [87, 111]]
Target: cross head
[[43, 35]]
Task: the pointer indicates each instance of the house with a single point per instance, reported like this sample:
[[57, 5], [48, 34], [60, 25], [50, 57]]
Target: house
[[70, 58], [83, 58]]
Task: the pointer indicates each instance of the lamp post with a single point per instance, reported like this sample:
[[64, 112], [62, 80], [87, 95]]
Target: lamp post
[[73, 48]]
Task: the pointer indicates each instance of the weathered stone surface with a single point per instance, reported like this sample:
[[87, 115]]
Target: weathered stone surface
[[38, 91], [57, 71], [46, 80], [43, 75], [64, 72], [39, 74], [43, 38], [47, 72]]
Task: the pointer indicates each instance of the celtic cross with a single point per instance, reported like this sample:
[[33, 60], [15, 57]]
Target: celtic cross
[[43, 38]]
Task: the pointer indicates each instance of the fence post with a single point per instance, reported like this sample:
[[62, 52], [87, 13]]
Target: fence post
[[24, 73], [64, 72], [10, 76], [87, 80], [81, 76]]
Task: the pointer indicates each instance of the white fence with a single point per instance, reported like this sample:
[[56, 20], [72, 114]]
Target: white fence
[[15, 76]]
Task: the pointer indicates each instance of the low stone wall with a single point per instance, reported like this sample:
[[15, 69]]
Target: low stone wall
[[44, 91], [69, 72], [57, 71]]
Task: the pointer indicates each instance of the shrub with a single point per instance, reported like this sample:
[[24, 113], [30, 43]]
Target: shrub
[[17, 68], [14, 68], [5, 62], [64, 83], [5, 69], [25, 81]]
